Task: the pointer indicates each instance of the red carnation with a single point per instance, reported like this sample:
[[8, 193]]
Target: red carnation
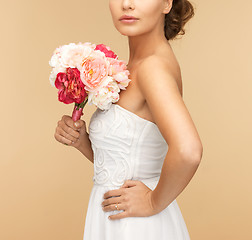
[[71, 88]]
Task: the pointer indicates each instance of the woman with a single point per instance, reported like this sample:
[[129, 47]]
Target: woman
[[136, 180]]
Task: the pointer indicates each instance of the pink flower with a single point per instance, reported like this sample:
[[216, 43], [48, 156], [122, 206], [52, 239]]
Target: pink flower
[[93, 72], [116, 66], [106, 50], [71, 88]]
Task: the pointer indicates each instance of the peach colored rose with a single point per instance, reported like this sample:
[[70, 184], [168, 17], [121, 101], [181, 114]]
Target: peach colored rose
[[93, 72]]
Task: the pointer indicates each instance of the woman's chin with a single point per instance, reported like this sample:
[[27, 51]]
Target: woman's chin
[[128, 33]]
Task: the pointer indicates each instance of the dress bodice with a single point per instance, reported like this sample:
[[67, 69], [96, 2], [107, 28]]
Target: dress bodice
[[125, 146]]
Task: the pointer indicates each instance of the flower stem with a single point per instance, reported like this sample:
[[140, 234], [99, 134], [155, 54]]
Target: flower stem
[[78, 110]]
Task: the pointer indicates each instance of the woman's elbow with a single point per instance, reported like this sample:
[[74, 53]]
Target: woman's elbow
[[192, 153]]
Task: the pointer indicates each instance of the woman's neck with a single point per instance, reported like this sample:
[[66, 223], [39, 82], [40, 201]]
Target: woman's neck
[[142, 46]]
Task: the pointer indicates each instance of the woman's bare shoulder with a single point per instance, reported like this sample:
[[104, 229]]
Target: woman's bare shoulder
[[160, 64], [157, 80]]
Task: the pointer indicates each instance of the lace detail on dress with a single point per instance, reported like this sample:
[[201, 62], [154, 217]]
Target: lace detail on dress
[[116, 136]]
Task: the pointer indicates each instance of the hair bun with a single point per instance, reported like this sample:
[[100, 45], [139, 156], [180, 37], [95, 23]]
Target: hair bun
[[181, 12]]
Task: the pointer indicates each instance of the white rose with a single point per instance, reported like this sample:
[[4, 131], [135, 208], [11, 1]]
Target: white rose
[[107, 94], [122, 78], [54, 73], [73, 54]]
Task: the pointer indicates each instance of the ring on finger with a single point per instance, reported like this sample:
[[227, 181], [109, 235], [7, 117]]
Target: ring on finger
[[116, 206]]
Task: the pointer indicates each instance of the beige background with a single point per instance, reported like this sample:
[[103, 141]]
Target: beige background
[[45, 185]]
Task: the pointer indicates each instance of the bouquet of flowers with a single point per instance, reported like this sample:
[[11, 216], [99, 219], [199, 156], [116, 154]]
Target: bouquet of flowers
[[87, 73]]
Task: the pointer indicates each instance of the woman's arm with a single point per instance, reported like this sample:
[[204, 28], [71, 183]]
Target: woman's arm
[[157, 81], [74, 134], [86, 149], [176, 173]]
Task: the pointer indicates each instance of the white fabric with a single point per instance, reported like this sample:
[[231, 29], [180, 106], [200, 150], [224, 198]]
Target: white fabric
[[127, 146]]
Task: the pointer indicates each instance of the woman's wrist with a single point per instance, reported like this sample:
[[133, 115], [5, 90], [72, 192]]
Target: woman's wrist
[[155, 204], [85, 148]]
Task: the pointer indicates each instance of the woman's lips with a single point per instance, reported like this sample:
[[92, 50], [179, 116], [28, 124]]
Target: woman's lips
[[129, 20]]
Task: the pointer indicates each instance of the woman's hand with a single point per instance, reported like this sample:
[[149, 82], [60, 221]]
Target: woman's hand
[[71, 133], [134, 197]]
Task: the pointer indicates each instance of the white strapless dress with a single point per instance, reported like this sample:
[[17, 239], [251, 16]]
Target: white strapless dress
[[127, 146]]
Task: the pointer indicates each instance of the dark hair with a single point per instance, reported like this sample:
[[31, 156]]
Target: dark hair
[[181, 12]]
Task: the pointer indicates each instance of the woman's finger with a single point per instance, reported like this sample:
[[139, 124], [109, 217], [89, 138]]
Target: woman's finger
[[113, 200], [69, 122], [69, 130], [62, 139], [112, 207], [66, 135], [120, 215]]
